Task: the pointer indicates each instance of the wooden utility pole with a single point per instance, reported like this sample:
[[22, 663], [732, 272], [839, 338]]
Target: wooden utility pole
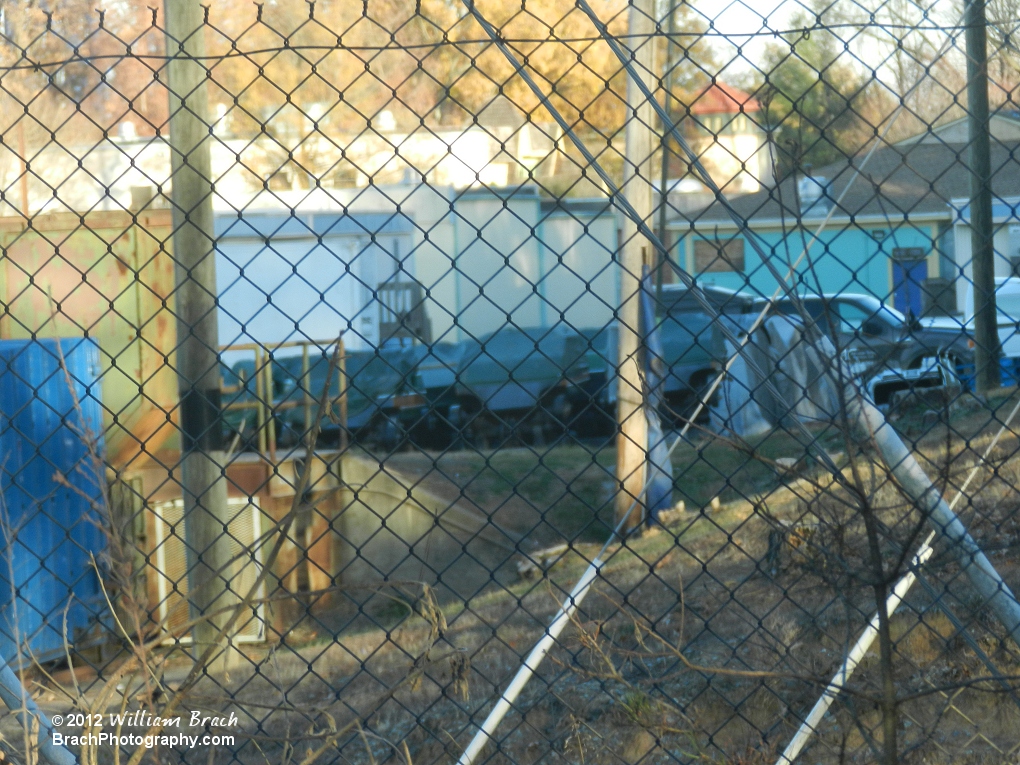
[[986, 330], [203, 460], [23, 181], [632, 438], [667, 104]]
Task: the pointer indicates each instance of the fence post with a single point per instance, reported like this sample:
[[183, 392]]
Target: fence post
[[632, 437], [986, 331], [204, 485]]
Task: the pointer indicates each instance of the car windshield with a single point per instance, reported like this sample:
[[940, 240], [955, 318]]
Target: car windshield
[[876, 307]]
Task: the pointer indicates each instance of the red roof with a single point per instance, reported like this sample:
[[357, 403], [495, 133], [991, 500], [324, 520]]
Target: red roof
[[720, 98]]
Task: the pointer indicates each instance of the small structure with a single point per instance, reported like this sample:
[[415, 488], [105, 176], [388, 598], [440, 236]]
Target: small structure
[[361, 523], [51, 479], [727, 134]]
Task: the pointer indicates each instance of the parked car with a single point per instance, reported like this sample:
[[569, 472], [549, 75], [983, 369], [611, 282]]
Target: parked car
[[880, 337]]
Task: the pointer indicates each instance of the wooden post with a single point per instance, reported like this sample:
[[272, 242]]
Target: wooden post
[[986, 329], [270, 407], [342, 389], [23, 181], [204, 487], [632, 437], [667, 104], [260, 402], [305, 385]]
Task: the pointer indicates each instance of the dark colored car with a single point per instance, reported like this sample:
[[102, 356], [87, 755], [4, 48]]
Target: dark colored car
[[881, 337]]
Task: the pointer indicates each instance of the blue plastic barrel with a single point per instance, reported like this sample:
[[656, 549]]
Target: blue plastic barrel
[[51, 479]]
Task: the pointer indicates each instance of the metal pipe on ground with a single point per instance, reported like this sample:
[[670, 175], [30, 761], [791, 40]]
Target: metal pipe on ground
[[204, 488], [860, 649]]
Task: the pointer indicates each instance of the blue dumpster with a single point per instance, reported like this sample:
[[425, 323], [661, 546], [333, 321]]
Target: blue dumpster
[[51, 488]]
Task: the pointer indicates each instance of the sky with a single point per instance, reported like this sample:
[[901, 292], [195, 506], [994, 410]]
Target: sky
[[742, 21]]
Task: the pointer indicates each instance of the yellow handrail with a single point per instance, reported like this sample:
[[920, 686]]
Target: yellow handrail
[[263, 403]]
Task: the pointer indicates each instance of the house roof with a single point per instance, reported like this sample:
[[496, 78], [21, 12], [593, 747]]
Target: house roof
[[290, 225], [1003, 125], [720, 98], [897, 182]]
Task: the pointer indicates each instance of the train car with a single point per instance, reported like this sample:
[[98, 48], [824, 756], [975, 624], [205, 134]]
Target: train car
[[378, 389], [520, 385], [515, 385], [691, 357], [595, 398], [436, 424]]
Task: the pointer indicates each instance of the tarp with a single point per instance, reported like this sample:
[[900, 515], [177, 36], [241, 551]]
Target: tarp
[[659, 494], [795, 367]]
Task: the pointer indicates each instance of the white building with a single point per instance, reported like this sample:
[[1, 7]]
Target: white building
[[483, 257], [726, 132]]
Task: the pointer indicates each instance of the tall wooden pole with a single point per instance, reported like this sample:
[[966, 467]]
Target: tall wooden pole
[[986, 331], [632, 438], [204, 487], [23, 181], [667, 104]]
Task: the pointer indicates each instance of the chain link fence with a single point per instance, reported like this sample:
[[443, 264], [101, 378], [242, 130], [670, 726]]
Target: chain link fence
[[574, 381]]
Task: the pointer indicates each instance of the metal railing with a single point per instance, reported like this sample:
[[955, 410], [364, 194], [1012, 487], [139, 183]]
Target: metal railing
[[265, 403]]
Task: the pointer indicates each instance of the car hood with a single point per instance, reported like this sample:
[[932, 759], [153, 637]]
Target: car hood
[[943, 323]]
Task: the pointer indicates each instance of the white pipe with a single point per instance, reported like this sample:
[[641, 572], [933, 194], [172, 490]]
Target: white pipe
[[531, 663], [857, 653], [915, 484], [864, 642]]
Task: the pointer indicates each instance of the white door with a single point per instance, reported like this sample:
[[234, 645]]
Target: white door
[[245, 529]]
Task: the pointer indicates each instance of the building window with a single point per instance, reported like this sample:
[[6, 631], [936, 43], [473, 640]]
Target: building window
[[718, 255]]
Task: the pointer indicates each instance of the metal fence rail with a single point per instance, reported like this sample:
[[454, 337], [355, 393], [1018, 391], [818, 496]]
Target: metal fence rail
[[494, 382]]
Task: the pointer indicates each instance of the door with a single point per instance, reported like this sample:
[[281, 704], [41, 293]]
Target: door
[[910, 270], [245, 529]]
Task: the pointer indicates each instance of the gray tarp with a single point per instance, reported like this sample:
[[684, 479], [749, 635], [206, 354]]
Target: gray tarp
[[796, 368]]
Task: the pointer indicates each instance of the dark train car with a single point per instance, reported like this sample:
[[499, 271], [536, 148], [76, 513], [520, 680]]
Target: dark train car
[[520, 384], [436, 423], [515, 385]]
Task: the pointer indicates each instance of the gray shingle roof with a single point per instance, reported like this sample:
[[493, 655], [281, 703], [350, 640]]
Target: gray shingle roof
[[897, 181]]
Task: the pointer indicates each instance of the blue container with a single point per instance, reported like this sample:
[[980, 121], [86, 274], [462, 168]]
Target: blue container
[[1010, 368], [50, 426]]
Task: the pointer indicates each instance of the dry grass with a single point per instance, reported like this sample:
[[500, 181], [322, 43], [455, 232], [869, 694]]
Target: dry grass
[[689, 649]]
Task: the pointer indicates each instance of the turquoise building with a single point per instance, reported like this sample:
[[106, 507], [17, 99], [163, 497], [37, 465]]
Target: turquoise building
[[884, 228]]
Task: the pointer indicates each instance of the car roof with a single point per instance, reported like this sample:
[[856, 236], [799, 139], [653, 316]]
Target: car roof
[[679, 296]]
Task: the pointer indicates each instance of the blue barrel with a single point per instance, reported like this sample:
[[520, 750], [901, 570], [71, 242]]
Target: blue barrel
[[51, 481]]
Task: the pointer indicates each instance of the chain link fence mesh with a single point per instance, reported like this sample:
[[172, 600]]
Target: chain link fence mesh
[[352, 349]]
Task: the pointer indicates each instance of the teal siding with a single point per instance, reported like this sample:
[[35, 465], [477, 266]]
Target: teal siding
[[852, 260]]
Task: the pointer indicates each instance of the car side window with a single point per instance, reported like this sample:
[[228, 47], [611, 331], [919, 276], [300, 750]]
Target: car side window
[[851, 317], [815, 309]]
